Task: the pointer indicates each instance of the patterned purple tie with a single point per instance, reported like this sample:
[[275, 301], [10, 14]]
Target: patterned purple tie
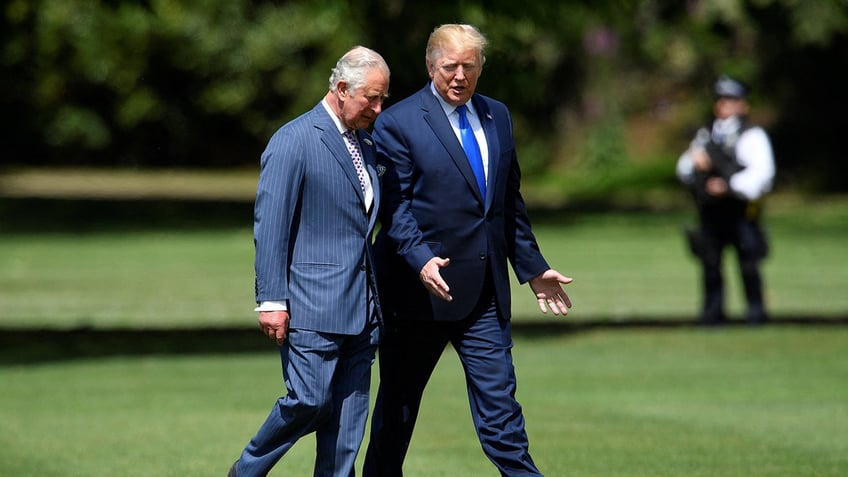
[[356, 155]]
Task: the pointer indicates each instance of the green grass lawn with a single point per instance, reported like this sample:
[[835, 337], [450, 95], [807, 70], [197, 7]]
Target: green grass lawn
[[136, 279], [626, 266], [767, 401], [607, 401]]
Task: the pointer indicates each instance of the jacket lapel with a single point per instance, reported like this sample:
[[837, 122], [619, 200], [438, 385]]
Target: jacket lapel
[[491, 131], [369, 158], [438, 122], [335, 143]]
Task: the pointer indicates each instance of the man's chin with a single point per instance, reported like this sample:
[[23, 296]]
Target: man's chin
[[457, 99], [365, 123], [458, 95]]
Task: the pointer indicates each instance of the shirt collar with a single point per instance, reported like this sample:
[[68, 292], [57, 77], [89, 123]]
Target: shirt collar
[[449, 108], [727, 125], [333, 116]]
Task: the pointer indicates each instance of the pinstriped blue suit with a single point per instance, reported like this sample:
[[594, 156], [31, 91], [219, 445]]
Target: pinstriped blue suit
[[310, 222], [313, 250]]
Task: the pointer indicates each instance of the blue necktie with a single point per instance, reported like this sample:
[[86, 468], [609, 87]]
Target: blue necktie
[[472, 149]]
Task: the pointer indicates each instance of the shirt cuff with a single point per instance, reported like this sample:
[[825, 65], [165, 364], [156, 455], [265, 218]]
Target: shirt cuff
[[272, 306]]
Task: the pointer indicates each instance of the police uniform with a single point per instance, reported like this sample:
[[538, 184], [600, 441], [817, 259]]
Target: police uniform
[[740, 154]]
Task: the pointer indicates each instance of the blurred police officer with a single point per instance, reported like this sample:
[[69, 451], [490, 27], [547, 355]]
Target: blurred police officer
[[729, 167]]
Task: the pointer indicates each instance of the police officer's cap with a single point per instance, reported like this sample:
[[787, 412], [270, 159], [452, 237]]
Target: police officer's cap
[[727, 87]]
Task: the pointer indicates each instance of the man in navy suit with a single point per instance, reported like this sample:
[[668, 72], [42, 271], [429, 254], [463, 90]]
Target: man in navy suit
[[441, 254], [316, 205]]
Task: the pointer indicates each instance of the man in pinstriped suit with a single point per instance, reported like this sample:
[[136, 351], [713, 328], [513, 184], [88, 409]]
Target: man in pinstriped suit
[[316, 206]]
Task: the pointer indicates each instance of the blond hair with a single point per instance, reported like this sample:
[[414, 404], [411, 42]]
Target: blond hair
[[456, 36]]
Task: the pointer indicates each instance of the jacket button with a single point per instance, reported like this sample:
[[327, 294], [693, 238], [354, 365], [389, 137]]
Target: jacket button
[[362, 267], [482, 256]]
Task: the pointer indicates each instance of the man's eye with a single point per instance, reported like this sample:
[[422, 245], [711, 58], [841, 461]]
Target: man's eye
[[454, 68]]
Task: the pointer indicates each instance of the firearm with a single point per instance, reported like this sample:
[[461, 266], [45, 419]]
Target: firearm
[[723, 160], [724, 165]]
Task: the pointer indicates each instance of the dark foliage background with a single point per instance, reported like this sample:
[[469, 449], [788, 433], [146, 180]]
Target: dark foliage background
[[601, 86]]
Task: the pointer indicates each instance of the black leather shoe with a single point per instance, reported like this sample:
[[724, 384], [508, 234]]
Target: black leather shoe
[[712, 320], [232, 472], [757, 319]]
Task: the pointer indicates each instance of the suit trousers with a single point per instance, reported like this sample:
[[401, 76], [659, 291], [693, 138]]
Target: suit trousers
[[719, 231], [328, 379], [409, 353]]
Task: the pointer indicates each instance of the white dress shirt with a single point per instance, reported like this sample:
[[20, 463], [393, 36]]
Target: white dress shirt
[[473, 120], [753, 152], [369, 190]]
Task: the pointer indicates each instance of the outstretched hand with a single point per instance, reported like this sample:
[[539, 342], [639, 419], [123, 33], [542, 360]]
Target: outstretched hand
[[549, 292], [432, 279]]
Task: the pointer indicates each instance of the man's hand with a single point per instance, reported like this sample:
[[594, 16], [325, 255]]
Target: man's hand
[[549, 292], [701, 160], [432, 279], [717, 187], [274, 325]]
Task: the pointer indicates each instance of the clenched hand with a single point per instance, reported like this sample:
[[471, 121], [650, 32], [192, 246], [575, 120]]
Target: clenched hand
[[274, 325]]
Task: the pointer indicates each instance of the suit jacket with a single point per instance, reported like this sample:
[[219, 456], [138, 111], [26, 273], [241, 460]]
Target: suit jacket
[[432, 207], [311, 230]]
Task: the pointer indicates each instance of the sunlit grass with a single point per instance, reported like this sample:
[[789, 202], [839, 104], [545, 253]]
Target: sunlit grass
[[625, 265], [766, 401]]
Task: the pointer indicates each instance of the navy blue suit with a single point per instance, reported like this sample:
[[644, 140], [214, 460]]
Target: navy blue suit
[[432, 206], [313, 251]]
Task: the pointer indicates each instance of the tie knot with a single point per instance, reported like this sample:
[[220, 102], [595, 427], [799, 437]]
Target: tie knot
[[461, 110]]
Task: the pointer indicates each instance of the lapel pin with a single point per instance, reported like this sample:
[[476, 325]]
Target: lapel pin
[[368, 141], [381, 169]]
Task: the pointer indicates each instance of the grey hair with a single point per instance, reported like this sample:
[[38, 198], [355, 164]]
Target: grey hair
[[355, 65]]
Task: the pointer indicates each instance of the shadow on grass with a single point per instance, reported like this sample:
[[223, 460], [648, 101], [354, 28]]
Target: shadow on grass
[[93, 215], [34, 346], [47, 215], [39, 215]]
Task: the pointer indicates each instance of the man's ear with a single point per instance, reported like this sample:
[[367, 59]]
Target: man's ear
[[341, 89]]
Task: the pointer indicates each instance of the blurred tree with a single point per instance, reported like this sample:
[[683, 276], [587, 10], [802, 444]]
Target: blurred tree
[[804, 73], [597, 84], [164, 82]]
